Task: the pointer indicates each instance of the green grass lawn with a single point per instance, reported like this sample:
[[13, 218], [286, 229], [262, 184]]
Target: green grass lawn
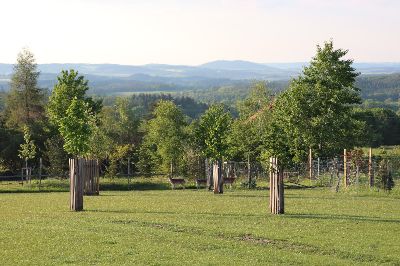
[[154, 225]]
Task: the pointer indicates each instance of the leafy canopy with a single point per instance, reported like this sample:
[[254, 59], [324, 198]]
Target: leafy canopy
[[213, 132], [167, 131], [25, 101], [72, 112], [316, 111], [28, 148]]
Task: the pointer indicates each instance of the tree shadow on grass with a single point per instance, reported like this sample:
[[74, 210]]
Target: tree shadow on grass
[[354, 218]]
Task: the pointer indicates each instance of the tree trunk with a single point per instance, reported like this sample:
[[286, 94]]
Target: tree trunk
[[370, 170], [276, 188], [217, 176]]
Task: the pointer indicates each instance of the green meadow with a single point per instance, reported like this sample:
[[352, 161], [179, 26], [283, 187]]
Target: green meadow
[[151, 224]]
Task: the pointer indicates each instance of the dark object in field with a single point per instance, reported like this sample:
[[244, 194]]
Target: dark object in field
[[177, 181]]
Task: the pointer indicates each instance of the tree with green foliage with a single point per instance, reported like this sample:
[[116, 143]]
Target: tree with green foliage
[[254, 113], [382, 126], [316, 111], [28, 148], [384, 178], [213, 132], [212, 135], [25, 101], [75, 127], [72, 112], [167, 131], [69, 86], [56, 156]]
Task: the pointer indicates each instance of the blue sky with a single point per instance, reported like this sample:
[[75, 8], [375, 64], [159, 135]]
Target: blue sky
[[194, 32]]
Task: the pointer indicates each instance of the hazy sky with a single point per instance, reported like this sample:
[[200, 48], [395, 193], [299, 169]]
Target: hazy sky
[[194, 32]]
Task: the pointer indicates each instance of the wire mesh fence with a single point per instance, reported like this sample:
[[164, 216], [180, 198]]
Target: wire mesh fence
[[349, 171]]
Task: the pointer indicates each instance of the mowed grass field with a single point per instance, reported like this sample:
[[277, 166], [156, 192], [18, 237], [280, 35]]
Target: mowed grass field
[[160, 226]]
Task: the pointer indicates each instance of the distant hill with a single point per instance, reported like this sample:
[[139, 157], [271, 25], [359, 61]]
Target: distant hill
[[115, 79], [238, 65]]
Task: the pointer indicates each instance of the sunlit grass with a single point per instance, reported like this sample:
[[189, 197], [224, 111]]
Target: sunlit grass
[[152, 224]]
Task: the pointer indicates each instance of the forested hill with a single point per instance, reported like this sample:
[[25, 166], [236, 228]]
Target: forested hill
[[380, 87]]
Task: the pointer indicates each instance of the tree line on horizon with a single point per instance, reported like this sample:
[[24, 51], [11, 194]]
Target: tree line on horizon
[[320, 109]]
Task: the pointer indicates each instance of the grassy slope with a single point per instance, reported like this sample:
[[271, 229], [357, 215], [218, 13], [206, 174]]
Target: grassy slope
[[197, 227]]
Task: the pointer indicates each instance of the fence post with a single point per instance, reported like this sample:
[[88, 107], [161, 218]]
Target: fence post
[[209, 174], [129, 171], [248, 171], [276, 189], [310, 164], [345, 168], [370, 170], [40, 172]]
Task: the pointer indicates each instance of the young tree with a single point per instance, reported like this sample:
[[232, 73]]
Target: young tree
[[27, 149], [246, 138], [75, 127], [316, 111], [69, 86], [72, 112], [25, 101], [213, 137], [166, 131]]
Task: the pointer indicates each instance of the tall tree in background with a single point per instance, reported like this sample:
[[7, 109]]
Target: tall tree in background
[[316, 111], [254, 112], [25, 102], [213, 137], [167, 131]]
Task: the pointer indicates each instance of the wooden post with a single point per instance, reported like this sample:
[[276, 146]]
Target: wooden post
[[310, 165], [129, 171], [40, 172], [22, 175], [76, 184], [248, 171], [276, 188], [97, 173], [209, 174], [218, 179], [370, 170], [345, 168]]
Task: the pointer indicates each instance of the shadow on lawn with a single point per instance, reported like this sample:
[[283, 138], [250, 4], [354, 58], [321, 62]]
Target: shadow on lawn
[[340, 217], [140, 186]]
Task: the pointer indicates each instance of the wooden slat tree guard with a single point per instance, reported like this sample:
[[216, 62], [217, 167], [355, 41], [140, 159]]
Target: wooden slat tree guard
[[91, 177], [218, 179], [84, 178], [276, 189]]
